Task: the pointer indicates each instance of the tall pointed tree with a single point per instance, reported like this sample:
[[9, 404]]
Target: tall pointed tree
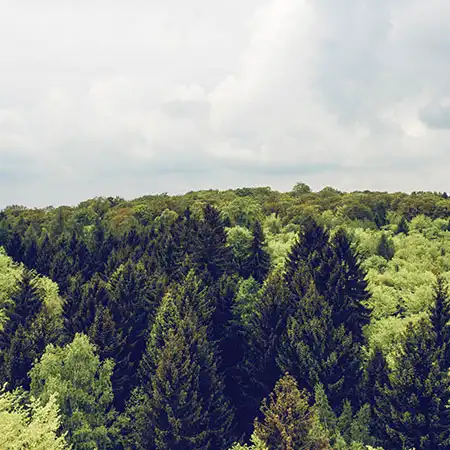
[[314, 350], [257, 263], [287, 417], [348, 288], [212, 254], [417, 414], [440, 320], [181, 394]]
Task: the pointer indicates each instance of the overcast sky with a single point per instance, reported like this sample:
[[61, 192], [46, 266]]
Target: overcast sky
[[114, 97]]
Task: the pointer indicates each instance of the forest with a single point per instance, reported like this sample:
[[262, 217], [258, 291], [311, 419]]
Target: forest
[[245, 319]]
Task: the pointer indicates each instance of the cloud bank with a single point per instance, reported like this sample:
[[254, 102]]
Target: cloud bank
[[99, 98]]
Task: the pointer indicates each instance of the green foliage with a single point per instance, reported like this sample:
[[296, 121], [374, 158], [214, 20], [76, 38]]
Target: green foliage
[[287, 418], [414, 407], [361, 273], [30, 424], [83, 387]]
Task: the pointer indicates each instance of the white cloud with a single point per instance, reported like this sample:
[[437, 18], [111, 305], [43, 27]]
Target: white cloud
[[108, 98]]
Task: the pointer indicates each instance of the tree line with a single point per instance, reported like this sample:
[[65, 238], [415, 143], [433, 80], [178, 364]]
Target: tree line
[[166, 337]]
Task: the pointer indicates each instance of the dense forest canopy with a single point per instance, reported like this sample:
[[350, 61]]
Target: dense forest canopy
[[246, 318]]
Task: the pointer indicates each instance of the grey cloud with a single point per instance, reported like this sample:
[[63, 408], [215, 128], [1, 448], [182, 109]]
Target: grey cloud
[[103, 98], [436, 115]]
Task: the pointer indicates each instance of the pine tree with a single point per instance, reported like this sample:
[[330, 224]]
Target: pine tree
[[402, 226], [15, 247], [211, 253], [385, 247], [181, 392], [440, 320], [287, 417], [348, 288], [187, 405], [103, 333], [93, 294], [45, 256], [257, 263], [312, 252], [61, 269], [263, 333], [314, 350], [376, 381], [417, 415], [134, 298]]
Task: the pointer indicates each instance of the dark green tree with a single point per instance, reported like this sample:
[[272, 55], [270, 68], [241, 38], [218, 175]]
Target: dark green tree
[[415, 408], [315, 351], [402, 226], [134, 298], [440, 320], [257, 264], [263, 334], [45, 256], [181, 394], [211, 253], [348, 288], [386, 247]]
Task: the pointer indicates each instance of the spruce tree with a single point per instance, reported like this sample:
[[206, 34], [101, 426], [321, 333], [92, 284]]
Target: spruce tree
[[311, 252], [376, 381], [314, 350], [402, 226], [211, 252], [17, 351], [440, 320], [181, 393], [45, 256], [415, 408], [263, 334], [187, 406], [134, 299], [257, 264], [348, 288], [385, 247], [15, 247], [287, 417]]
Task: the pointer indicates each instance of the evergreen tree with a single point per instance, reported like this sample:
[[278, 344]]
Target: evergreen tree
[[263, 333], [211, 253], [93, 294], [71, 305], [45, 256], [257, 263], [30, 248], [134, 299], [385, 247], [312, 253], [61, 269], [187, 407], [287, 417], [415, 410], [402, 226], [15, 247], [314, 350], [348, 288], [376, 381], [103, 333], [440, 320], [181, 391]]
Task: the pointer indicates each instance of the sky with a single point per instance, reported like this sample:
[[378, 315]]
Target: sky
[[115, 98]]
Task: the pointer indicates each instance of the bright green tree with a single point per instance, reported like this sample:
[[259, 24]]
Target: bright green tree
[[30, 424], [82, 384]]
